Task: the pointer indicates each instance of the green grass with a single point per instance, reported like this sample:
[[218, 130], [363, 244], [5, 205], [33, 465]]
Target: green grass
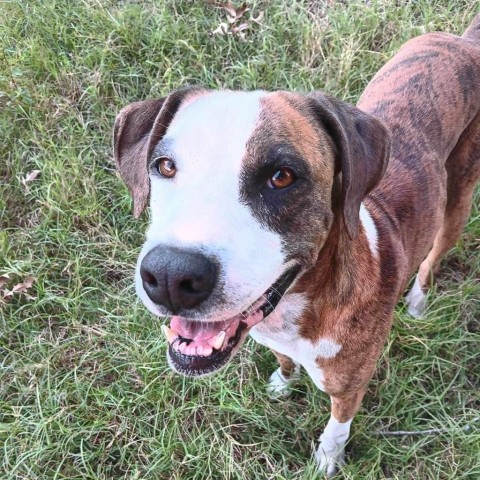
[[85, 392]]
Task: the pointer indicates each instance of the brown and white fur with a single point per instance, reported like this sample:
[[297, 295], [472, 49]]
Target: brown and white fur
[[379, 192]]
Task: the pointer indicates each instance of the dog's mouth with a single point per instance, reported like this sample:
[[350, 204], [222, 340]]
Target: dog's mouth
[[198, 348]]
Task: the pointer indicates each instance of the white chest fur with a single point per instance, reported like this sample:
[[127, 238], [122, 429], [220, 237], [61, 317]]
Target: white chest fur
[[280, 332]]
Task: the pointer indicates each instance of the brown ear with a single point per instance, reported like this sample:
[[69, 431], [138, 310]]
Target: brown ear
[[138, 128], [362, 146]]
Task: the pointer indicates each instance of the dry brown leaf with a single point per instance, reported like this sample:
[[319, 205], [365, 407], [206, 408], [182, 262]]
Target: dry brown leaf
[[4, 279], [234, 14], [240, 28], [258, 18], [228, 7], [20, 288], [30, 177], [25, 285], [222, 29], [240, 11]]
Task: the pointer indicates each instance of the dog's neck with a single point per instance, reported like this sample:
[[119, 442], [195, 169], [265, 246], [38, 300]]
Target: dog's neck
[[338, 268], [343, 274]]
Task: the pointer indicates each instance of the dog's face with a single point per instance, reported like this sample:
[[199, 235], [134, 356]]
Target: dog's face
[[243, 193]]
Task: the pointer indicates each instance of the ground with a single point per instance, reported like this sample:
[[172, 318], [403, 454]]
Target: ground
[[85, 392]]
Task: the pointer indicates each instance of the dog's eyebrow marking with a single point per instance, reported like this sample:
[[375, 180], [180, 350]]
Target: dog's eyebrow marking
[[370, 229], [163, 148]]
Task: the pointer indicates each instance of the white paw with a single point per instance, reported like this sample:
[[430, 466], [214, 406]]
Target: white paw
[[331, 451], [280, 387], [328, 462], [416, 300]]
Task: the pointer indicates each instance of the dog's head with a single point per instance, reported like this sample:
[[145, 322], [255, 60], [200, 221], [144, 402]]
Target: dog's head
[[244, 188]]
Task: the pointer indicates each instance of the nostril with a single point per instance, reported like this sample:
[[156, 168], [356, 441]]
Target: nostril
[[149, 279], [187, 286]]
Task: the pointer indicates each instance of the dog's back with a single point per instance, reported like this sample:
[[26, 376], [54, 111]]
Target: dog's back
[[429, 97]]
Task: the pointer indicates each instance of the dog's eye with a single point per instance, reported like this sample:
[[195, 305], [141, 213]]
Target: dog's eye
[[165, 167], [282, 178]]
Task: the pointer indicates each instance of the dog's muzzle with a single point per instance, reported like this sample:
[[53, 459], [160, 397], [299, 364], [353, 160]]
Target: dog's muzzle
[[182, 279]]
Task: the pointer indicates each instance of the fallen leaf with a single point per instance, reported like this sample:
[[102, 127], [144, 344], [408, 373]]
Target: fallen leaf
[[31, 176], [240, 28], [4, 279], [240, 11], [228, 7], [232, 12], [20, 288], [25, 285], [258, 18], [222, 29]]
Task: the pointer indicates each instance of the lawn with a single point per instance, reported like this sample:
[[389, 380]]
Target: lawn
[[85, 392]]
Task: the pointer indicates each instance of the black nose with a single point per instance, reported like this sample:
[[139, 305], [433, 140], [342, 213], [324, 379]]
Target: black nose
[[177, 279]]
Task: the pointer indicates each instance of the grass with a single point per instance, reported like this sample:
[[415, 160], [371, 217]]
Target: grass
[[85, 392]]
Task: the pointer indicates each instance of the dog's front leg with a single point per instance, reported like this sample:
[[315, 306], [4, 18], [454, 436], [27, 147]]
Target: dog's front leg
[[282, 379], [331, 451]]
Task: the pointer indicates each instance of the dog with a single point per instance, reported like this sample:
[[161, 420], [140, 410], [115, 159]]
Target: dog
[[300, 219]]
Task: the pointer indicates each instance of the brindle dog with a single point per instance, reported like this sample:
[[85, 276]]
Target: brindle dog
[[283, 215]]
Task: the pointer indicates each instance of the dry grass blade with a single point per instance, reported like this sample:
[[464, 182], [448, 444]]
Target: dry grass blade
[[428, 431]]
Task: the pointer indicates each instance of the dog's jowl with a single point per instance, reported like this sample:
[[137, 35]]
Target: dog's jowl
[[299, 219]]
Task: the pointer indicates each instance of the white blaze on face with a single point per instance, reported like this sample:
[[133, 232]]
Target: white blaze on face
[[200, 207]]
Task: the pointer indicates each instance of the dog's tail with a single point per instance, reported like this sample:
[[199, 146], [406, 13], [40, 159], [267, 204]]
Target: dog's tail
[[472, 33]]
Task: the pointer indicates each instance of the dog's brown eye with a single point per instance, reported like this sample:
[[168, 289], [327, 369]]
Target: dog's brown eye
[[282, 178], [166, 167]]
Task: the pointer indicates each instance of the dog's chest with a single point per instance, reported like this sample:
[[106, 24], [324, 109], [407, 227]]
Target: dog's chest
[[281, 333]]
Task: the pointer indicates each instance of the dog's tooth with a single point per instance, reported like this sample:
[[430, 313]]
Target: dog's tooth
[[170, 334], [218, 340], [191, 350], [201, 350], [204, 350]]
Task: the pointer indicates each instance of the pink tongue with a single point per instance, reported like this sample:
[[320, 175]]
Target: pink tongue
[[203, 336], [200, 332]]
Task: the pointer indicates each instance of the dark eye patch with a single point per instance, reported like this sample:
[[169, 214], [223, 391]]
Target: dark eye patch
[[278, 209], [257, 172]]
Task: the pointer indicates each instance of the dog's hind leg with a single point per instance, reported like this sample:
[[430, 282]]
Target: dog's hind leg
[[282, 379], [463, 169]]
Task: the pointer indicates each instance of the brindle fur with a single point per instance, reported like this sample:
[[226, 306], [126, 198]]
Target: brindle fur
[[428, 97]]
